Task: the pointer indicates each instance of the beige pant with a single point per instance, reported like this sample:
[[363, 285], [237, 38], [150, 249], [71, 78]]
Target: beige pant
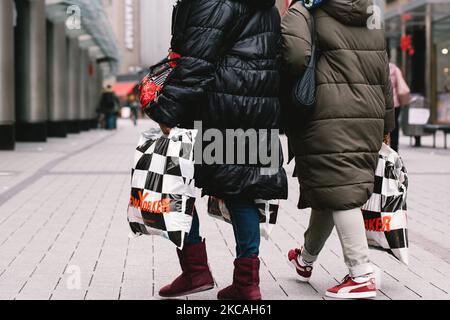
[[350, 227]]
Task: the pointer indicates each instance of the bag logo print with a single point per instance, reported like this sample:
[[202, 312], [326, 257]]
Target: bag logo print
[[379, 224], [158, 207]]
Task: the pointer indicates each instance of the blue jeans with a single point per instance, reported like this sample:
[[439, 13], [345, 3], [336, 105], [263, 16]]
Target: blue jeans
[[194, 235], [111, 121], [245, 221]]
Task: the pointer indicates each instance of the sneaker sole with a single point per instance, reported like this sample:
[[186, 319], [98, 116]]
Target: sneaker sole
[[197, 290], [237, 299], [358, 295], [302, 279]]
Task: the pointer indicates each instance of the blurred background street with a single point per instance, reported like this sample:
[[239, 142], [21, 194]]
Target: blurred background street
[[58, 58], [65, 161]]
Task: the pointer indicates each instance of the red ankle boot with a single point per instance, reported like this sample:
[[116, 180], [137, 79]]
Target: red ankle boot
[[245, 281], [196, 276]]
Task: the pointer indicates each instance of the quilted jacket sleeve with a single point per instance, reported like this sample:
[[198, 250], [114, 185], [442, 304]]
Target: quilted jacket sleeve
[[296, 39], [206, 26]]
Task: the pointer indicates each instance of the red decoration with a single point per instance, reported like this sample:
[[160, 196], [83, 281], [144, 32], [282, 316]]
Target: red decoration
[[91, 69], [406, 17], [405, 42]]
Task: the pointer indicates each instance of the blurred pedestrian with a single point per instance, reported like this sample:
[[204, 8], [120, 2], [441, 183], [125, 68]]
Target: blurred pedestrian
[[402, 98], [133, 104], [336, 145], [109, 107], [228, 78], [447, 80]]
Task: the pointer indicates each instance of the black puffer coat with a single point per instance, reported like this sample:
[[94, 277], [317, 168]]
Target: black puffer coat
[[228, 78]]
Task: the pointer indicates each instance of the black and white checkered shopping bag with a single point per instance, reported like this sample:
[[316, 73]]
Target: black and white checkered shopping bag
[[268, 213], [162, 185], [385, 214]]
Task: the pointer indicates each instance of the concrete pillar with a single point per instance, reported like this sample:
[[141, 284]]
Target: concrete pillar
[[84, 90], [100, 82], [57, 80], [7, 100], [31, 71], [94, 93], [102, 76], [73, 85]]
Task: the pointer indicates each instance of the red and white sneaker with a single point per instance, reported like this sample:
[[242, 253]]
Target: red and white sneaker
[[304, 271], [354, 288]]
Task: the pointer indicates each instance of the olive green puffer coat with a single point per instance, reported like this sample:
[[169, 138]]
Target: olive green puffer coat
[[336, 148]]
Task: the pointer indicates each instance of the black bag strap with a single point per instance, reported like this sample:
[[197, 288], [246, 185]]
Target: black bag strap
[[164, 61], [314, 50], [304, 91]]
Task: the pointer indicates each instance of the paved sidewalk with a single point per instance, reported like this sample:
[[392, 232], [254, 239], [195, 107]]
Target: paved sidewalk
[[63, 215]]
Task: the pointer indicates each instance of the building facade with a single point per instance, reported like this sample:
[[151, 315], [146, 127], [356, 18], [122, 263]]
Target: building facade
[[125, 19], [156, 17], [143, 30], [54, 55], [7, 76]]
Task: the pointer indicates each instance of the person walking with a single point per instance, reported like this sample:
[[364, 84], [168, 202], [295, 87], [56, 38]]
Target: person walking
[[402, 98], [227, 78], [336, 145], [109, 104], [133, 104]]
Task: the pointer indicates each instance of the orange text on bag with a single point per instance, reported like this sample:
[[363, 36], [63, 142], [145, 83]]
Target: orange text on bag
[[159, 206], [378, 224]]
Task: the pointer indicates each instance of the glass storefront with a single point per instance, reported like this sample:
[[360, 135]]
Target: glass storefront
[[427, 64]]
